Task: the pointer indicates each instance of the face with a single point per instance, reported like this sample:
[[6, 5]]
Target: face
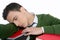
[[18, 18]]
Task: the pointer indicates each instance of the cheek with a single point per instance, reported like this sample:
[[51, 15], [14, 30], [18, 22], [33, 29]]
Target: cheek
[[25, 19], [22, 19]]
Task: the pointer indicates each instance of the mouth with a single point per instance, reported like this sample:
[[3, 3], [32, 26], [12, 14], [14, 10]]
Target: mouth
[[22, 25]]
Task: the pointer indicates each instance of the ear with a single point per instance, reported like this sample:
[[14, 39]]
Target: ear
[[22, 9]]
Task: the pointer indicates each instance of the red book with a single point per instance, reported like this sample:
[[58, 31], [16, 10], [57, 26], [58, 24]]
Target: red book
[[17, 36], [48, 37]]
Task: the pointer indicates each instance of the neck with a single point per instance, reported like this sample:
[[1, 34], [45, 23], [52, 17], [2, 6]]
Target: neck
[[30, 18]]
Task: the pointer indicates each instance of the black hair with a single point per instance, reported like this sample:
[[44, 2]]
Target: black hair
[[11, 7]]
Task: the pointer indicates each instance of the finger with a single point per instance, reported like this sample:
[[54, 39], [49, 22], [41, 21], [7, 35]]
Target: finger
[[27, 34], [25, 30]]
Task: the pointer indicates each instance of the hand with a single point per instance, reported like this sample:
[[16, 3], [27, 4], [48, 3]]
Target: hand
[[39, 39], [33, 31]]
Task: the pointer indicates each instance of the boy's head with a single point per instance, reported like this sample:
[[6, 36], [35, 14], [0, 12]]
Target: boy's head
[[15, 13], [11, 7]]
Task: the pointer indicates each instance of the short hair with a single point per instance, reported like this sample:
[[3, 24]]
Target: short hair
[[10, 7]]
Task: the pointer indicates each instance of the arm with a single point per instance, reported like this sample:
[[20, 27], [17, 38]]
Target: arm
[[51, 24], [7, 30], [54, 29]]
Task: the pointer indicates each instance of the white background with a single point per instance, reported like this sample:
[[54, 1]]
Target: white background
[[51, 7]]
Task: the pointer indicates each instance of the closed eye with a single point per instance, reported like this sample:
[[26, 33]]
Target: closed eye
[[15, 18]]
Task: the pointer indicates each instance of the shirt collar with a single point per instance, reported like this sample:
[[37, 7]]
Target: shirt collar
[[35, 20]]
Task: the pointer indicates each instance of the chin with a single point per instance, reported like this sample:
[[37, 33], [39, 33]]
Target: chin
[[24, 26]]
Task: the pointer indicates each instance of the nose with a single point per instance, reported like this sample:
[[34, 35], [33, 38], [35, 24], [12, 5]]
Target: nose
[[16, 23]]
